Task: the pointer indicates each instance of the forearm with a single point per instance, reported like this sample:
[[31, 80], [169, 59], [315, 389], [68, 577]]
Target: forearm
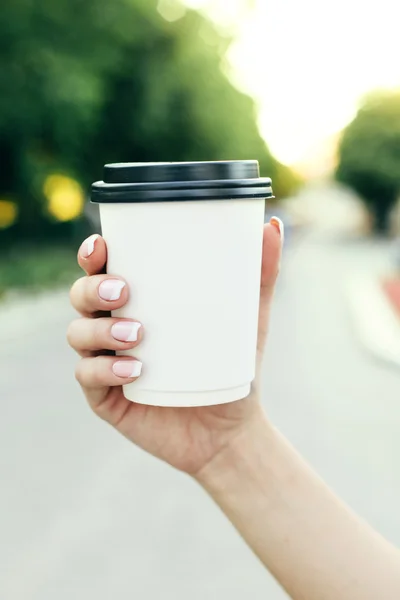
[[312, 543]]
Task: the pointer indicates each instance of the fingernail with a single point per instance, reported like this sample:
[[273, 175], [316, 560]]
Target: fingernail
[[125, 331], [87, 247], [277, 223], [127, 368], [110, 289]]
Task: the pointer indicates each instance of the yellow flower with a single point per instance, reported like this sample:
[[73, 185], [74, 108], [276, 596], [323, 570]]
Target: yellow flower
[[8, 213], [65, 197]]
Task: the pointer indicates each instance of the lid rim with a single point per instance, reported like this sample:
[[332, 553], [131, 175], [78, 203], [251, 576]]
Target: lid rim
[[182, 185], [112, 196]]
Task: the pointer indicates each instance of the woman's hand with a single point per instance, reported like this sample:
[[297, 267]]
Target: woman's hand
[[187, 438]]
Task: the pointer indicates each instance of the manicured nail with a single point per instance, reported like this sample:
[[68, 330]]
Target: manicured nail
[[110, 289], [87, 247], [277, 223], [127, 368], [125, 331]]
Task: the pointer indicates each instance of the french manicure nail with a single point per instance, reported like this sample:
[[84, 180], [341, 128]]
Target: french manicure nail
[[127, 368], [125, 331], [278, 224], [110, 289], [88, 246]]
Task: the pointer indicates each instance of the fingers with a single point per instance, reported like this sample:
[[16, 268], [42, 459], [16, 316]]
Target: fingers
[[92, 255], [271, 256], [98, 293], [107, 371], [89, 335]]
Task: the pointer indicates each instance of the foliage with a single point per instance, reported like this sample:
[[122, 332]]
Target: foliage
[[30, 268], [369, 154], [84, 83]]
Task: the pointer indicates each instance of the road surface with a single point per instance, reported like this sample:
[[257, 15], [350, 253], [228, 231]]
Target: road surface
[[84, 514]]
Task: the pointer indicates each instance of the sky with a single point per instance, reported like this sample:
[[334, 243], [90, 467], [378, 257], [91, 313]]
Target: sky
[[307, 63]]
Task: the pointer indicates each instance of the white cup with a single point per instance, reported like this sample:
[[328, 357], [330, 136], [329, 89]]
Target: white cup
[[187, 238]]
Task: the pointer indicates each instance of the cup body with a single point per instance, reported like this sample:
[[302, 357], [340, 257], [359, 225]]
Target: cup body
[[193, 270]]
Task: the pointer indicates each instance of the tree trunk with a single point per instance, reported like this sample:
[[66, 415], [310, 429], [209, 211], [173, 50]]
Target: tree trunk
[[381, 213]]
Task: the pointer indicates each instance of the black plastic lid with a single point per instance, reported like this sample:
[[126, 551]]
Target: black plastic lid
[[179, 181]]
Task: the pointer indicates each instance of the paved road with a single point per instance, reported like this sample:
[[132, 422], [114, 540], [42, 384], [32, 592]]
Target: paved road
[[85, 515]]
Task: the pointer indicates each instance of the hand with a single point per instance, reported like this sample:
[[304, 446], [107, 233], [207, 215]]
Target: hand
[[186, 438]]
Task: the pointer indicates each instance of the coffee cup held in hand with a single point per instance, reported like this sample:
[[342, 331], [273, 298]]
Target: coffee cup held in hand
[[187, 237]]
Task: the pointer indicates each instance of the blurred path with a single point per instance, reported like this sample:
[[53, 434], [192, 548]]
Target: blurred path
[[86, 515]]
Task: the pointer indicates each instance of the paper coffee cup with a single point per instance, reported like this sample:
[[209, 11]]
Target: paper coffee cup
[[187, 238]]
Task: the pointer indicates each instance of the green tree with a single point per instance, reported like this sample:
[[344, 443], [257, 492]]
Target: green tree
[[369, 155], [84, 83]]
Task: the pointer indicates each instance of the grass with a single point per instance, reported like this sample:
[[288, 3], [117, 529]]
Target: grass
[[33, 269]]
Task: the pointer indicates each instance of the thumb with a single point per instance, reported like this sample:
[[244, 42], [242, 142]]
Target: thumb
[[271, 256]]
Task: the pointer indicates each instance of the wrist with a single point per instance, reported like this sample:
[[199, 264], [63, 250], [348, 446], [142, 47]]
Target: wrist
[[241, 458]]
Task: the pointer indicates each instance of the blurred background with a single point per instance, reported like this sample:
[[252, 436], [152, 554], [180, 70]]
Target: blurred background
[[313, 92]]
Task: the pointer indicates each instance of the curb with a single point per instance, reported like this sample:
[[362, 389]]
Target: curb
[[377, 323]]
